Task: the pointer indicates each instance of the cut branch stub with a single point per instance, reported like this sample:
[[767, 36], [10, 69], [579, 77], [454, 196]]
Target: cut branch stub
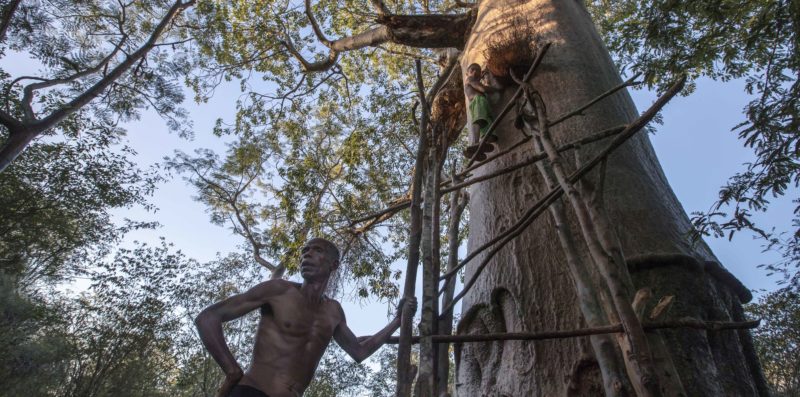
[[640, 301], [420, 31], [429, 31], [662, 307]]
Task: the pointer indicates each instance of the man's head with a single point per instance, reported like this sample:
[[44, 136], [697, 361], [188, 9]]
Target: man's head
[[318, 259], [474, 70]]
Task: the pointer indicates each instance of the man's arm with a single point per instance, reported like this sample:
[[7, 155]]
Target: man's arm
[[363, 347], [476, 85], [209, 326]]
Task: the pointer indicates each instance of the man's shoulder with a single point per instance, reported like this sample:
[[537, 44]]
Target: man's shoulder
[[273, 287], [333, 302], [334, 307]]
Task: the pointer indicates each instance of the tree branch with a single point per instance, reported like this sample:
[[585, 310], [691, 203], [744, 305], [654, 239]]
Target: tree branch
[[403, 204], [5, 17], [308, 67], [367, 38], [10, 122], [242, 228], [92, 92], [315, 26], [380, 7], [428, 31], [247, 233]]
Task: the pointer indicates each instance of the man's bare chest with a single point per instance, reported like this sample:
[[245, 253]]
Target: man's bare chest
[[294, 317]]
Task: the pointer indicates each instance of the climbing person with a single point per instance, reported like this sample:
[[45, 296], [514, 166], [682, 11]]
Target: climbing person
[[297, 323], [480, 115]]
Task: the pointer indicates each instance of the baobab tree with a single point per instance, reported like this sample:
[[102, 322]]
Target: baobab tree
[[526, 287]]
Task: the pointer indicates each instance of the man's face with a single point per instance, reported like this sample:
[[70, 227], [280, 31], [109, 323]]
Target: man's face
[[474, 72], [315, 261]]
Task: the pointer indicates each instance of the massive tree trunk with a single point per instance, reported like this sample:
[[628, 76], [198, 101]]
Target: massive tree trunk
[[527, 287]]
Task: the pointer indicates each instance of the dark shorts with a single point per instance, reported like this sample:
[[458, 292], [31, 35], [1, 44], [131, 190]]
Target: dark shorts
[[246, 391]]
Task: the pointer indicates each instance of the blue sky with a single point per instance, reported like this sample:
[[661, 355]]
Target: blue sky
[[699, 152], [695, 146]]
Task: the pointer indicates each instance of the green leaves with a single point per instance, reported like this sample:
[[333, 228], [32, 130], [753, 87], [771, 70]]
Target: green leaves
[[55, 202], [777, 340], [725, 39]]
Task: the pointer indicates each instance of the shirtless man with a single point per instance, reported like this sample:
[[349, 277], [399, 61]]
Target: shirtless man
[[297, 324]]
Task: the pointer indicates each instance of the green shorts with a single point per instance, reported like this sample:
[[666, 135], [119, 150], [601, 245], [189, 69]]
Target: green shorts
[[480, 113]]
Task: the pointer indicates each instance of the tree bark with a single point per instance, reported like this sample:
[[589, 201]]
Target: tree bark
[[17, 141], [528, 288], [426, 379], [458, 202]]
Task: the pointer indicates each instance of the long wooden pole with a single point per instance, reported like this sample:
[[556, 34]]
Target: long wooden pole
[[590, 293], [636, 349], [689, 323], [429, 315]]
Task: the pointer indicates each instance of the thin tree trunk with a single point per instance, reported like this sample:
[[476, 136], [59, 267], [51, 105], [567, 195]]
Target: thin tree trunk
[[430, 279], [404, 376], [458, 202]]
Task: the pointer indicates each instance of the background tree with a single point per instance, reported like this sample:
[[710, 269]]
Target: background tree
[[777, 340], [122, 329], [32, 342], [55, 205], [110, 58], [755, 41]]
